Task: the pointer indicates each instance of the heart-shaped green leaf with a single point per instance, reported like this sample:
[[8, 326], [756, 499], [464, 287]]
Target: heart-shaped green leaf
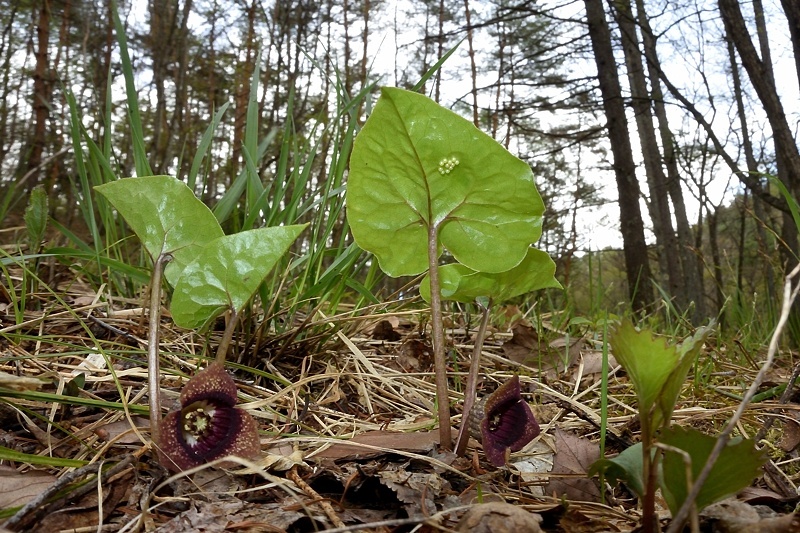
[[735, 468], [463, 284], [227, 272], [166, 216], [416, 166]]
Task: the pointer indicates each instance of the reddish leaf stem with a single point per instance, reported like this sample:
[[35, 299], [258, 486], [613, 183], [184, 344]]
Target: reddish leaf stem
[[437, 328], [472, 381], [154, 374]]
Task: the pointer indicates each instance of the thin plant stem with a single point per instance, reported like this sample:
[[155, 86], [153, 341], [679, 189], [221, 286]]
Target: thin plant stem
[[225, 342], [437, 328], [789, 296], [472, 380], [154, 373]]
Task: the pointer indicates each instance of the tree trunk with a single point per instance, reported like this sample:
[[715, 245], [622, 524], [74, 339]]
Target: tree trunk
[[41, 94], [668, 255], [762, 81], [691, 263], [636, 262], [245, 72], [792, 10], [752, 166]]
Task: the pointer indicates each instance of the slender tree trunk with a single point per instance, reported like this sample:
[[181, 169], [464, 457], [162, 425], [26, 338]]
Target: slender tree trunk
[[762, 81], [439, 51], [41, 93], [635, 248], [752, 166], [791, 9], [245, 71], [691, 263], [669, 257], [472, 66]]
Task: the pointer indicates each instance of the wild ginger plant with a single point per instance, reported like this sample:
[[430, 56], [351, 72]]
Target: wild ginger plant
[[212, 273], [462, 284], [669, 458], [424, 180]]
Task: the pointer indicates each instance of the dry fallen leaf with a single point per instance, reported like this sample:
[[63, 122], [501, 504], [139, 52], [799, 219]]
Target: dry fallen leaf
[[415, 489], [19, 382], [18, 488], [498, 517], [415, 442], [574, 456]]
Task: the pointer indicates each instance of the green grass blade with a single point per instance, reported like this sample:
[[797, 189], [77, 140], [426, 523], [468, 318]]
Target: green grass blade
[[205, 143], [139, 151], [7, 454]]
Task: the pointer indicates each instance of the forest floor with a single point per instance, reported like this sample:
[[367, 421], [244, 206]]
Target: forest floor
[[348, 439]]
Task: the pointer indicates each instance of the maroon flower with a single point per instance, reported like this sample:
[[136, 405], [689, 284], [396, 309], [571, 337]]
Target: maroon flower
[[208, 425], [507, 422]]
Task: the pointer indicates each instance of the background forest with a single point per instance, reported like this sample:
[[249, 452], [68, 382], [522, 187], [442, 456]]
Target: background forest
[[655, 173]]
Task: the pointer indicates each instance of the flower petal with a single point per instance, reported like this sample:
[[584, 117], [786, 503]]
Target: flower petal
[[508, 423], [208, 426], [212, 384]]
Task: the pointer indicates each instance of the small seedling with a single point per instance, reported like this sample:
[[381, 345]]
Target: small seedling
[[423, 180], [658, 371], [211, 273]]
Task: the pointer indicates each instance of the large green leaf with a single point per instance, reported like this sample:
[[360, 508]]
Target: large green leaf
[[735, 468], [227, 272], [166, 216], [463, 284], [415, 166]]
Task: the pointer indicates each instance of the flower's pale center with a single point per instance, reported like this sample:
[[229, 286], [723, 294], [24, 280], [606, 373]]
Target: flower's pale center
[[197, 421]]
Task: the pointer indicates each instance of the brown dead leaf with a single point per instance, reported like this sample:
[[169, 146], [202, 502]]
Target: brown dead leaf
[[86, 511], [121, 430], [734, 516], [415, 442], [573, 457], [790, 437], [552, 359], [593, 362], [416, 490], [498, 517], [760, 496], [384, 331], [524, 345], [20, 383], [18, 488]]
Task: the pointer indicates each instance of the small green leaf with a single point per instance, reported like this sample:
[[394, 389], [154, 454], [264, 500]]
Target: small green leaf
[[648, 362], [463, 284], [668, 397], [626, 468], [737, 466], [166, 216], [227, 272], [36, 218], [416, 166]]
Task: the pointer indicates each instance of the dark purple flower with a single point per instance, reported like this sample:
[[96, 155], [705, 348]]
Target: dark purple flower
[[507, 423], [208, 425]]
